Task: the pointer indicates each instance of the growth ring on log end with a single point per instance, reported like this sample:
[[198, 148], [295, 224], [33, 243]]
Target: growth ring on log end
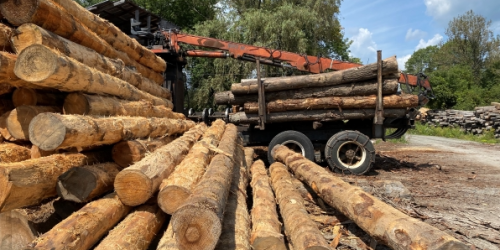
[[19, 12], [196, 228], [36, 63], [133, 187], [46, 131]]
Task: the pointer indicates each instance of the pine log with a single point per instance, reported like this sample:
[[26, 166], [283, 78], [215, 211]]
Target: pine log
[[198, 223], [344, 102], [168, 241], [126, 153], [10, 152], [30, 34], [359, 74], [82, 229], [19, 119], [82, 184], [36, 152], [50, 131], [314, 115], [82, 104], [236, 224], [29, 182], [5, 34], [136, 231], [3, 128], [266, 227], [137, 183], [7, 76], [25, 96], [48, 68], [15, 230], [175, 189], [383, 222], [300, 229], [50, 16], [390, 86]]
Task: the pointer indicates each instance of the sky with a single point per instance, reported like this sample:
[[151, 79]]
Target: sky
[[400, 27]]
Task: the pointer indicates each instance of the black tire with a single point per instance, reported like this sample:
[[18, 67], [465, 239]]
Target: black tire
[[294, 139], [350, 152]]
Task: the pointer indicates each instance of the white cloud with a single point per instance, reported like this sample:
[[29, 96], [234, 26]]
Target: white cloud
[[443, 11], [415, 34], [363, 45], [402, 61], [433, 41]]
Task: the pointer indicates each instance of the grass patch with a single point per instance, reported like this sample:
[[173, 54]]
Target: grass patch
[[453, 132]]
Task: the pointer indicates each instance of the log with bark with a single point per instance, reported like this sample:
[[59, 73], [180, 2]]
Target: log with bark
[[383, 222], [50, 16], [266, 227], [10, 152], [300, 229], [344, 102], [25, 96], [82, 184], [29, 182], [83, 104], [19, 119], [198, 223], [175, 189], [137, 183], [82, 229], [136, 231], [50, 131], [390, 86], [126, 153], [168, 241], [314, 115], [5, 35], [359, 74], [48, 68]]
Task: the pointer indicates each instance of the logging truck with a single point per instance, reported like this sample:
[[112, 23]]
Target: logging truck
[[336, 122]]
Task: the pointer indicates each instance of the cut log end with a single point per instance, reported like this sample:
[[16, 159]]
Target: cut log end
[[76, 104], [47, 131], [196, 228], [36, 63], [171, 198], [126, 153], [18, 12], [70, 186], [133, 196], [24, 96]]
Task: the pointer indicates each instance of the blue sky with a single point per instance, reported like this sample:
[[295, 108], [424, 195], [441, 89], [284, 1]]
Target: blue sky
[[402, 27]]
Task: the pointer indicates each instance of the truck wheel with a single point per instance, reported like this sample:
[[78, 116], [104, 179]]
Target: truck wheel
[[350, 152], [295, 141]]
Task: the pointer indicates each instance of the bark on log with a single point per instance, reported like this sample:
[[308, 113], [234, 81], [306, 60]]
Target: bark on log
[[168, 241], [126, 153], [48, 68], [136, 231], [50, 16], [25, 96], [3, 128], [15, 230], [29, 182], [390, 86], [300, 229], [36, 152], [314, 115], [50, 131], [137, 183], [30, 34], [5, 34], [84, 228], [266, 227], [82, 184], [383, 222], [345, 102], [82, 104], [175, 189], [198, 223], [10, 152], [7, 76], [359, 74], [19, 119]]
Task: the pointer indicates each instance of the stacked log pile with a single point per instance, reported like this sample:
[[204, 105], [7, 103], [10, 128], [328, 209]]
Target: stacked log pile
[[339, 95]]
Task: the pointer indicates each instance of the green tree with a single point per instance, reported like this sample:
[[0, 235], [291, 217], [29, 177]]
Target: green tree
[[422, 60]]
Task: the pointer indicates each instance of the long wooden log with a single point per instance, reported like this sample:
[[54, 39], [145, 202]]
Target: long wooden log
[[82, 229], [314, 115], [390, 86], [5, 34], [175, 189], [300, 229], [82, 104], [29, 182], [50, 131], [10, 152], [136, 231], [359, 74], [344, 102], [32, 97], [50, 16], [30, 34], [266, 227], [168, 241], [19, 119], [198, 223], [7, 76], [48, 68], [137, 183], [383, 222], [82, 184], [126, 153]]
